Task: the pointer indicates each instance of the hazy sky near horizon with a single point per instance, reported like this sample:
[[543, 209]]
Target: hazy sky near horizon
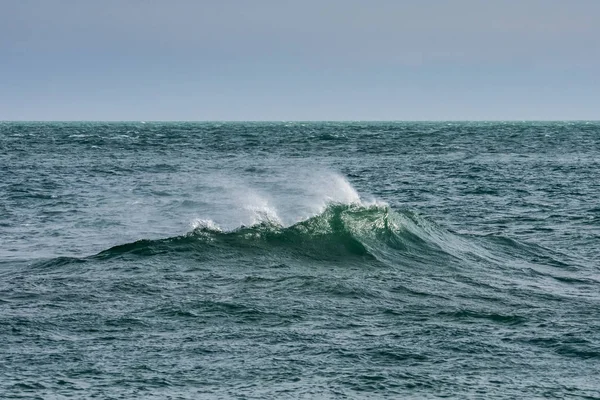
[[299, 60]]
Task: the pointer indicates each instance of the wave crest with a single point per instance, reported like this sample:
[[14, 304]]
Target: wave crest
[[341, 230]]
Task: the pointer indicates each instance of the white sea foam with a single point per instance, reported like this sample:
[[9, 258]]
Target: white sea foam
[[283, 196], [259, 209], [205, 224]]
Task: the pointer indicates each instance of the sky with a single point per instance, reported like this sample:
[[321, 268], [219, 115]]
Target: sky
[[199, 60]]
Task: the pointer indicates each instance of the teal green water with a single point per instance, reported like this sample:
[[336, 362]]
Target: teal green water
[[299, 260]]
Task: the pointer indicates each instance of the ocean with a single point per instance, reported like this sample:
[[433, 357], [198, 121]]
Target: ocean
[[285, 260]]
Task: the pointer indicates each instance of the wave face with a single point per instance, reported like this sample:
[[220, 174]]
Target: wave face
[[340, 232], [224, 260], [343, 233]]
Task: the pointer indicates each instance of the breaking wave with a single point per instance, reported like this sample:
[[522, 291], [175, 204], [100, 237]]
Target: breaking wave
[[340, 233]]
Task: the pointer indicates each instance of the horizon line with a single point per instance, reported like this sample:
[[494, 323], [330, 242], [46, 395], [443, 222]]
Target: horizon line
[[295, 121]]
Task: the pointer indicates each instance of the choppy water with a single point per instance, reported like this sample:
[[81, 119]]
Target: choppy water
[[299, 260]]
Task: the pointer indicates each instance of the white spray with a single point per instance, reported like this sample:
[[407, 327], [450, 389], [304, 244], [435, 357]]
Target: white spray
[[282, 197]]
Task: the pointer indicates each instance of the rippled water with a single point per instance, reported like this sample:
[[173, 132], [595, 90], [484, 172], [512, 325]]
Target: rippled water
[[299, 260]]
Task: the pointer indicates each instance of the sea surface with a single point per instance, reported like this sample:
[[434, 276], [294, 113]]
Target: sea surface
[[285, 260]]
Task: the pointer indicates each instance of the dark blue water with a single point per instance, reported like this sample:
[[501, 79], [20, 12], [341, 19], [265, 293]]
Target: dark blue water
[[299, 260]]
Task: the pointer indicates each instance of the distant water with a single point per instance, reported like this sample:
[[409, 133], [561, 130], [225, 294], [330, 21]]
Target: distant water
[[299, 260]]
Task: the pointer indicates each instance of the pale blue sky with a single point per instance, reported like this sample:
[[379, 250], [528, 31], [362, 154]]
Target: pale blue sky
[[299, 60]]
